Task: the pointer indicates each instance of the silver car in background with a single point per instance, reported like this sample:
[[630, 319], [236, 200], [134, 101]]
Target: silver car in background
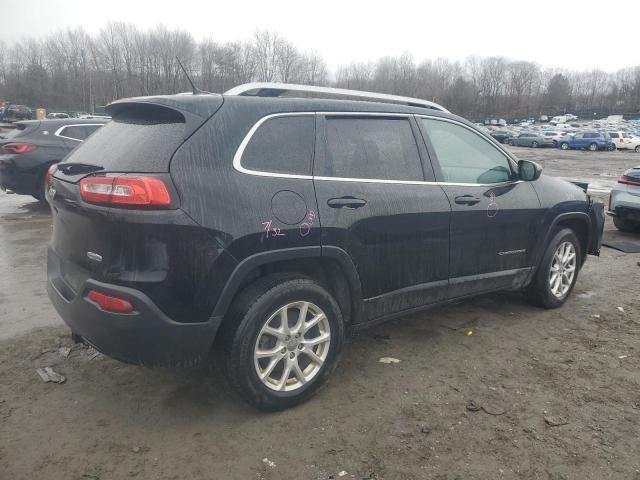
[[624, 202]]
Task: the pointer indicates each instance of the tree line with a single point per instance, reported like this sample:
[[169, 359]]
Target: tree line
[[73, 70]]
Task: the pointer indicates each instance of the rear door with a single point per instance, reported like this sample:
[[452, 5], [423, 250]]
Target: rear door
[[378, 202], [494, 215]]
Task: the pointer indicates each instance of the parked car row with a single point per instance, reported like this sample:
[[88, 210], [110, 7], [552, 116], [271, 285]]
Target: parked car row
[[578, 136]]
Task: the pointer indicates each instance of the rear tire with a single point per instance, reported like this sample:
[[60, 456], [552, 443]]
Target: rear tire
[[626, 225], [271, 363], [637, 149], [534, 144], [557, 272], [505, 141], [564, 146], [611, 148]]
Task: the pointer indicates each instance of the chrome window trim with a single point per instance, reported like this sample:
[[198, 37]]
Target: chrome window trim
[[246, 88], [237, 158], [57, 132]]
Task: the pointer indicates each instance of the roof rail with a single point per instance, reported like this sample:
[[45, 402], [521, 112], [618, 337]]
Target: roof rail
[[261, 89]]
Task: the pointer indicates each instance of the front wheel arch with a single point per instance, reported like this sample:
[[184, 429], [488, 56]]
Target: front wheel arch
[[578, 222]]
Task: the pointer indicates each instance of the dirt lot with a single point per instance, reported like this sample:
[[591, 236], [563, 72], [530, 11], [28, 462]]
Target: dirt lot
[[558, 391]]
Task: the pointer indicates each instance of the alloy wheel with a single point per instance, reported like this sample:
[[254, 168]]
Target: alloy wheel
[[292, 346], [563, 269]]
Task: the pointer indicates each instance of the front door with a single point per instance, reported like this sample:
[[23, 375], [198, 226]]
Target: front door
[[494, 215], [375, 204]]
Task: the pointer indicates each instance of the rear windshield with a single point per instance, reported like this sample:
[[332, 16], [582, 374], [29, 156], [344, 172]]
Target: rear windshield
[[18, 130], [135, 143]]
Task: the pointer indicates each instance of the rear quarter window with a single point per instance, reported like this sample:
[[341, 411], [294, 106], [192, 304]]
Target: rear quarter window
[[282, 145]]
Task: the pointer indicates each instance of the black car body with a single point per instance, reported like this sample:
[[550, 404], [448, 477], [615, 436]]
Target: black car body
[[28, 150], [18, 112], [366, 202], [531, 139]]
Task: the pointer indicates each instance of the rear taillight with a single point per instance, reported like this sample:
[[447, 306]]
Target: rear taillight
[[18, 148], [49, 176], [629, 180], [131, 191], [110, 303]]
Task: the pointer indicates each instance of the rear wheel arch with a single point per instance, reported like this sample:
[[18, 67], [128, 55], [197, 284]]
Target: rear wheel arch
[[331, 270]]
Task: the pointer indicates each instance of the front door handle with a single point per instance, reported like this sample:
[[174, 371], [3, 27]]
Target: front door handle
[[467, 200], [346, 202]]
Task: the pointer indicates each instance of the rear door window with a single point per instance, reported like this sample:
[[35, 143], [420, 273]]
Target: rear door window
[[370, 148], [282, 145], [464, 156]]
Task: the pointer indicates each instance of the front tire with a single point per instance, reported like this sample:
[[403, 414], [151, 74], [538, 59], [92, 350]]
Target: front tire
[[558, 270], [534, 144], [281, 340], [593, 147], [637, 149], [564, 146]]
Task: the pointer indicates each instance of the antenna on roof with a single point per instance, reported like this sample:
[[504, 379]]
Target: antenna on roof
[[196, 90]]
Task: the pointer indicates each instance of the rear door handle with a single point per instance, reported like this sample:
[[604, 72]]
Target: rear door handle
[[467, 200], [346, 202]]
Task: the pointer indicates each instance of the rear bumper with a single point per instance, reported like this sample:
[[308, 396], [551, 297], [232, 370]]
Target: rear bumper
[[625, 202], [25, 183], [146, 336]]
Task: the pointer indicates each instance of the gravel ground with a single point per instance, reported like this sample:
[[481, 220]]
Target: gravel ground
[[486, 388]]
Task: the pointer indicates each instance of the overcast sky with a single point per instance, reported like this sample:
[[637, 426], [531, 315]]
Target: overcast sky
[[562, 33]]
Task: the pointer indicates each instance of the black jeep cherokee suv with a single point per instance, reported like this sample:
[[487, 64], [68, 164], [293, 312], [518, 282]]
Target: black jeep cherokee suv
[[262, 228]]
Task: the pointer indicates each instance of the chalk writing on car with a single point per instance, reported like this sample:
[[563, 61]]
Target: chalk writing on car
[[271, 231], [305, 227], [492, 208]]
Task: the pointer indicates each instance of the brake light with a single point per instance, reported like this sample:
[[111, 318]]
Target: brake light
[[110, 303], [133, 191], [629, 181], [18, 148]]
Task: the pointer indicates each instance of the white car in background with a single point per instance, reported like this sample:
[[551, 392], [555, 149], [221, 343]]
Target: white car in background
[[624, 201], [555, 135], [625, 141]]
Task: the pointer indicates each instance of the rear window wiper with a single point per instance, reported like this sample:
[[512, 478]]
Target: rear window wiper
[[77, 167]]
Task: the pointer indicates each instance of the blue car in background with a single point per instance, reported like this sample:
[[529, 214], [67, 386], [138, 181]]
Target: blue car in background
[[592, 141]]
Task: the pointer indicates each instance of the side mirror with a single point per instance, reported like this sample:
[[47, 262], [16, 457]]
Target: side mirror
[[529, 171]]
